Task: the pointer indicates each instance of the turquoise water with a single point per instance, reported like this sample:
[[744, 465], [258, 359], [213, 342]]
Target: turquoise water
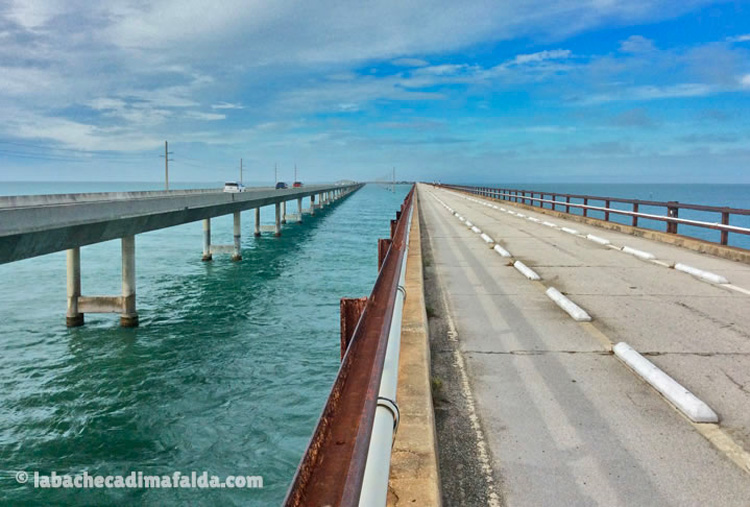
[[227, 373], [733, 196]]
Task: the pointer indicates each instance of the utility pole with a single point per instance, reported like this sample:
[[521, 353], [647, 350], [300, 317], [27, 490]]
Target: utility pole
[[295, 172], [275, 174], [393, 188], [240, 171], [166, 155]]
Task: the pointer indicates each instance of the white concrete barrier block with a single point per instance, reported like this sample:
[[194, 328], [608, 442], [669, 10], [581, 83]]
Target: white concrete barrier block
[[469, 224], [597, 239], [575, 311], [569, 230], [487, 239], [520, 215], [638, 253], [689, 404], [549, 224], [526, 271], [502, 251], [700, 273], [476, 230]]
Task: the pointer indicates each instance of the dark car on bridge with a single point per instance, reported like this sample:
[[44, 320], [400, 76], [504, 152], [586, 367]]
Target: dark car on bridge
[[281, 184]]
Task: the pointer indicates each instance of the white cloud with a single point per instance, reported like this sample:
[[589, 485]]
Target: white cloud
[[739, 38], [636, 44], [554, 54], [645, 93], [745, 81], [227, 105], [205, 116]]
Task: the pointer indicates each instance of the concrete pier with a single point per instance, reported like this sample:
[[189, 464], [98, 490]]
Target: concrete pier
[[129, 316], [277, 224], [283, 212], [312, 205], [257, 222], [237, 255], [206, 240], [299, 209], [73, 317]]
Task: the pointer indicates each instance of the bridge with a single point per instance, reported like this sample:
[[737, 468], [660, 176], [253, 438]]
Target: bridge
[[35, 225], [606, 364], [512, 351]]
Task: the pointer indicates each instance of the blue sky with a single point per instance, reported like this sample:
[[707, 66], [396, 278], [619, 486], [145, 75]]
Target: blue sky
[[484, 91]]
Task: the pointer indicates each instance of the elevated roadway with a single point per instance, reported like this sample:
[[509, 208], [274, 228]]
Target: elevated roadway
[[40, 224], [561, 420]]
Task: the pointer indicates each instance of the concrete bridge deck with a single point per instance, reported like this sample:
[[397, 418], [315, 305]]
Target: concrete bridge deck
[[40, 224], [561, 420]]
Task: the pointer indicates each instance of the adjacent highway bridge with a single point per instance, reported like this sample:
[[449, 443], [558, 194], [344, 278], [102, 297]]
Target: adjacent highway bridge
[[39, 224]]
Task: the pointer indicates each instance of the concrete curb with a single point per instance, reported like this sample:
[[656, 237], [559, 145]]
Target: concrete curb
[[690, 243], [689, 404], [706, 275], [597, 239], [502, 251], [487, 239], [414, 476], [639, 253], [569, 230], [526, 271], [575, 311]]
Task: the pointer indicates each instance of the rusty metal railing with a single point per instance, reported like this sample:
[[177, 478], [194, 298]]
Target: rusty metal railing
[[564, 202], [332, 470]]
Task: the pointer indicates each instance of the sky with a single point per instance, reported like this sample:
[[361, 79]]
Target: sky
[[600, 91]]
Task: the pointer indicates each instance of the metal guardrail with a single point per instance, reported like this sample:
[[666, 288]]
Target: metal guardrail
[[565, 202], [333, 468]]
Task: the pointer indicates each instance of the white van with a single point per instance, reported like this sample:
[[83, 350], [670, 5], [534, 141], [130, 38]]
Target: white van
[[233, 186]]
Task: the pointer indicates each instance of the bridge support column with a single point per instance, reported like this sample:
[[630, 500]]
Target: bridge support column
[[283, 212], [257, 222], [73, 318], [129, 316], [277, 224], [312, 205], [206, 240], [299, 210], [237, 255]]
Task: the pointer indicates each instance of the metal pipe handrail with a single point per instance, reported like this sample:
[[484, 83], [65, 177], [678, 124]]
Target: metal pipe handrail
[[332, 470], [377, 468], [672, 220]]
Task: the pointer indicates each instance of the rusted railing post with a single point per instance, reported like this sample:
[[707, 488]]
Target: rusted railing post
[[635, 216], [585, 203], [606, 213], [672, 212], [351, 311], [725, 221], [383, 246], [567, 204]]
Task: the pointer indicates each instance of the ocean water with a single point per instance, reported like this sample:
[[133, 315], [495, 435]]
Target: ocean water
[[733, 196], [227, 373]]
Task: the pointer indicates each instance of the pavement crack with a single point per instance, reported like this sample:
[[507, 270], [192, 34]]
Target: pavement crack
[[740, 386]]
